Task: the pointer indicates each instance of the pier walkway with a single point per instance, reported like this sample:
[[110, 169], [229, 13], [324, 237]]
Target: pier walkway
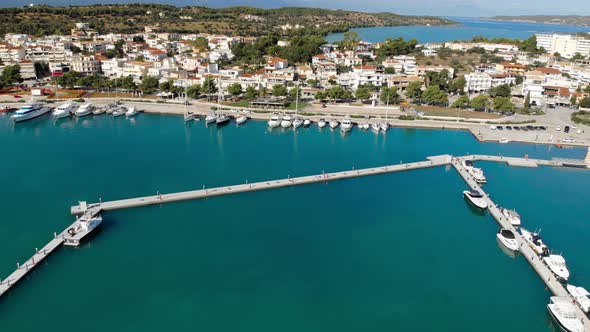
[[534, 260], [435, 161]]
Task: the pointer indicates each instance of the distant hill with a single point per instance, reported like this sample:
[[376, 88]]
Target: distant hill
[[549, 19], [131, 18]]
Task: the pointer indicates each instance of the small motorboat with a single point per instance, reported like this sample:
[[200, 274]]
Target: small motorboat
[[475, 198], [297, 123], [512, 216], [64, 110], [131, 112], [286, 122], [322, 123], [241, 119], [189, 116], [376, 127], [306, 123], [5, 108], [210, 118], [364, 126], [384, 126], [580, 295], [111, 108], [333, 124], [508, 239], [275, 121], [121, 110], [100, 110], [535, 242], [564, 313], [346, 125], [222, 119], [504, 140], [84, 110], [556, 264]]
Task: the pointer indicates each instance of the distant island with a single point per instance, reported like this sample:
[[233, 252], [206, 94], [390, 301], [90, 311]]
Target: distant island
[[548, 19], [41, 20]]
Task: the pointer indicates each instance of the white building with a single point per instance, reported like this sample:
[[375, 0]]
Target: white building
[[565, 45], [85, 64], [477, 82]]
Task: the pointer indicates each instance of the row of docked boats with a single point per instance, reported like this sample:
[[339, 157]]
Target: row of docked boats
[[286, 121], [34, 110], [561, 308]]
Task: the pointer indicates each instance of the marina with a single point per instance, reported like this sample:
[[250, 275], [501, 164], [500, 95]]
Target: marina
[[393, 134]]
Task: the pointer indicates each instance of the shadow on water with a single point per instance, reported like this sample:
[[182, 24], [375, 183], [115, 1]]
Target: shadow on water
[[510, 253]]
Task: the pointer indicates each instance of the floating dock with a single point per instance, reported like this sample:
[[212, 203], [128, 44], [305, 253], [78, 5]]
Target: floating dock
[[551, 282], [90, 210]]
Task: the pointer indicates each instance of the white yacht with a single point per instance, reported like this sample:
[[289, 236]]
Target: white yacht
[[286, 122], [557, 265], [297, 123], [508, 239], [83, 226], [384, 126], [84, 109], [28, 112], [475, 172], [475, 198], [333, 124], [275, 121], [512, 216], [322, 123], [222, 119], [535, 242], [375, 127], [346, 125], [241, 119], [131, 112], [564, 314], [580, 295], [64, 110], [189, 116], [210, 118], [306, 123], [121, 110], [364, 126]]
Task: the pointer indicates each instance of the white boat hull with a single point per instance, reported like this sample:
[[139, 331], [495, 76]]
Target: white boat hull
[[511, 244], [30, 115], [241, 119], [476, 201]]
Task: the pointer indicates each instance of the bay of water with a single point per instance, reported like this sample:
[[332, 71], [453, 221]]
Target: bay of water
[[378, 253], [466, 29]]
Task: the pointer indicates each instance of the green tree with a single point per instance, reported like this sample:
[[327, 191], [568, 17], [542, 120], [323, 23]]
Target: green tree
[[336, 92], [350, 41], [439, 79], [461, 102], [585, 102], [69, 79], [295, 92], [200, 43], [391, 47], [389, 95], [149, 84], [313, 82], [341, 69], [166, 86], [457, 85], [503, 90], [125, 83], [194, 91], [433, 95], [209, 86], [527, 101], [250, 92], [414, 90], [389, 70], [11, 75], [321, 95], [573, 100], [235, 89], [480, 103], [362, 93], [279, 90], [503, 104]]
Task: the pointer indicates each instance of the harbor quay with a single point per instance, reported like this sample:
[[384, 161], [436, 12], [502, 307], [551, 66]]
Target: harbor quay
[[87, 211]]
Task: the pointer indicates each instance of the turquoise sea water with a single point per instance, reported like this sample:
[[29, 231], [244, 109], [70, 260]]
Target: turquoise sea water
[[377, 253], [467, 28]]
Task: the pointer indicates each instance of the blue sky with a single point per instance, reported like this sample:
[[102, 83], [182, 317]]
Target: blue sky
[[415, 7]]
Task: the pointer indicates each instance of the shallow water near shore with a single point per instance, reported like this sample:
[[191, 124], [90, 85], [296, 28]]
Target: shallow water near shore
[[375, 253]]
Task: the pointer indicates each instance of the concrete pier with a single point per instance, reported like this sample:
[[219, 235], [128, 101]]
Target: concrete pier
[[534, 260]]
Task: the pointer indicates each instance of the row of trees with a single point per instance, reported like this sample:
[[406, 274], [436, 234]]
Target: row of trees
[[483, 102]]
